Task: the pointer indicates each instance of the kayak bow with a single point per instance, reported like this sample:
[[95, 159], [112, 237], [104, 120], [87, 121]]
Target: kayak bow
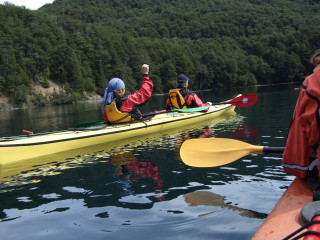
[[284, 219]]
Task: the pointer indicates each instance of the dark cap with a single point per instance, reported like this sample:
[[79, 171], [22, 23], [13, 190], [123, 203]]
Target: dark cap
[[182, 78]]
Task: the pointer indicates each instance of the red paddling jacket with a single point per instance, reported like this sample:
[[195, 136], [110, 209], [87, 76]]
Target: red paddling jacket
[[302, 146]]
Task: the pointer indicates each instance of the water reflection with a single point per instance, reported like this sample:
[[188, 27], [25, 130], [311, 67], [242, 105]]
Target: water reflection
[[212, 199], [246, 133], [127, 168]]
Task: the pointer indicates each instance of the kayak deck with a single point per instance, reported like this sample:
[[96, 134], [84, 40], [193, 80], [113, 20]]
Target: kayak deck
[[284, 218]]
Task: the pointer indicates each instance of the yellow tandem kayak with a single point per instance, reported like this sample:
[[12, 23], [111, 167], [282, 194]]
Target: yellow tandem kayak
[[38, 145]]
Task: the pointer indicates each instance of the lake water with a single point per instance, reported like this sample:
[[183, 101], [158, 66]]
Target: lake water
[[141, 189]]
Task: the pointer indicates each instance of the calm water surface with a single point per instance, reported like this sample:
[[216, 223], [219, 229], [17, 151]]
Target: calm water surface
[[141, 188]]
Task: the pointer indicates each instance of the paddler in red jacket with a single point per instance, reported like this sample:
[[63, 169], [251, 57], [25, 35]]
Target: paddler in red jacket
[[302, 153], [120, 108], [181, 97]]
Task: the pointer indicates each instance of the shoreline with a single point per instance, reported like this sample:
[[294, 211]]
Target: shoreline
[[6, 106]]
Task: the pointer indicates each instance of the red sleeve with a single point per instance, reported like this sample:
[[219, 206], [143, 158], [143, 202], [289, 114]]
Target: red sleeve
[[140, 96], [197, 100], [168, 104]]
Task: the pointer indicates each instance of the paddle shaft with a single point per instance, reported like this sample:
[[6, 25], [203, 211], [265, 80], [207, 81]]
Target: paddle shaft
[[267, 150], [197, 109], [155, 113]]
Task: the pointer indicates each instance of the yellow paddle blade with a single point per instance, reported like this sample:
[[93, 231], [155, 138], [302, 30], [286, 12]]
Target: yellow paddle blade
[[213, 152]]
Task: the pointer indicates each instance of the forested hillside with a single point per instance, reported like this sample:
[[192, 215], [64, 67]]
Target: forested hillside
[[81, 44]]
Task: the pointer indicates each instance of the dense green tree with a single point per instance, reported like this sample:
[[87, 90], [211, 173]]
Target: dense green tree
[[81, 45]]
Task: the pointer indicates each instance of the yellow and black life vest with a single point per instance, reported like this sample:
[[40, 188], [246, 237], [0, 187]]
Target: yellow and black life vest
[[115, 116], [176, 100]]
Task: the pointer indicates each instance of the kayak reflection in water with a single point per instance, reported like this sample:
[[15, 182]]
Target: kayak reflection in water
[[130, 169]]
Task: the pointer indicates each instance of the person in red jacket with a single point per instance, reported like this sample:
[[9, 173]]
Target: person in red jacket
[[120, 108], [301, 157], [182, 97]]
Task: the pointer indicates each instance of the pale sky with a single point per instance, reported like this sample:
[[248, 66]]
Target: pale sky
[[30, 4]]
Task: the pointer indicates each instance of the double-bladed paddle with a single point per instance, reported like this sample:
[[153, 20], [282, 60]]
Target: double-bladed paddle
[[214, 152], [246, 100]]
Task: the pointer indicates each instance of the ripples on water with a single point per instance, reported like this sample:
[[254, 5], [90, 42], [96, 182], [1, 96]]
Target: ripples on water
[[143, 189]]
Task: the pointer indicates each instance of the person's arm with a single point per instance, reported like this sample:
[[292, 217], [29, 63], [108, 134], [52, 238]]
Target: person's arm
[[198, 102], [168, 104], [140, 96]]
